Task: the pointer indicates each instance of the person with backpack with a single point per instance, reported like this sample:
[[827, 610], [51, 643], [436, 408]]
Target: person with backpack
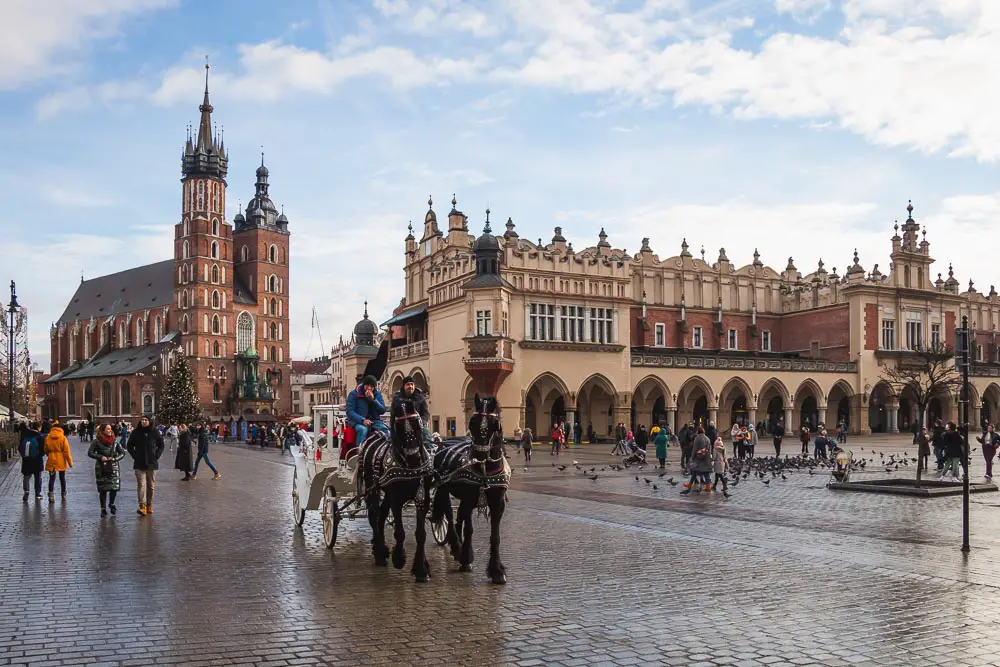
[[701, 464], [107, 453], [58, 458], [32, 451]]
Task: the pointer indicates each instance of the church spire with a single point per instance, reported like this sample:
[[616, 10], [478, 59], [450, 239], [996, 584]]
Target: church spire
[[205, 142]]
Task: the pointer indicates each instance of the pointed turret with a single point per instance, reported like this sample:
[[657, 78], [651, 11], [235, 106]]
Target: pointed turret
[[204, 155], [205, 140]]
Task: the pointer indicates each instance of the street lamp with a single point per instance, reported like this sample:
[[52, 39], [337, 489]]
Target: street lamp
[[12, 309], [963, 358]]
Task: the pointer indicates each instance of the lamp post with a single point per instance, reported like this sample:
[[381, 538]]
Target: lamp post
[[12, 309], [963, 358]]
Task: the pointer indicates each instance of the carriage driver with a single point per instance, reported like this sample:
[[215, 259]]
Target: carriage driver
[[410, 392], [364, 409]]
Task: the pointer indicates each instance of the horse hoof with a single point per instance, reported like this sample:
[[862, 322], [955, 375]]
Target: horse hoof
[[465, 568], [500, 579], [421, 580]]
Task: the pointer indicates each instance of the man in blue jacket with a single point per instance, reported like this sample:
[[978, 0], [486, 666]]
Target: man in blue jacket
[[365, 406]]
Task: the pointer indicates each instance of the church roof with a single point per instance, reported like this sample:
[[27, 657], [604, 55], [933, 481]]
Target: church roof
[[124, 361], [149, 286]]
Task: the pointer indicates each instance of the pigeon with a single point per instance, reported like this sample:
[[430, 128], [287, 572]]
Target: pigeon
[[593, 478], [671, 482], [655, 487], [767, 482], [637, 478], [561, 468], [647, 480]]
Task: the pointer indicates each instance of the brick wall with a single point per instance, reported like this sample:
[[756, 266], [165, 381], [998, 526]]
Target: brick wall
[[830, 327], [949, 328]]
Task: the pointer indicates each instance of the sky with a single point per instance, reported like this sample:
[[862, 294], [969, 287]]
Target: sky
[[799, 127]]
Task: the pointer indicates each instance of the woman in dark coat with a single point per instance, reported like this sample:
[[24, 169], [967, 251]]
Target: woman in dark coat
[[107, 452], [185, 452]]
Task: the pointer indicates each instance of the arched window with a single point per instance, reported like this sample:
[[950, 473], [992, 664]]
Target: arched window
[[215, 391], [272, 284], [216, 350], [244, 254], [215, 298], [266, 312], [244, 332], [264, 352], [201, 195], [158, 328], [215, 250], [147, 405], [187, 250], [274, 353], [107, 406], [184, 324], [122, 335], [211, 372], [273, 254], [274, 331], [215, 273], [222, 372], [216, 326], [215, 228], [186, 229], [71, 400], [140, 332], [281, 354], [274, 309], [184, 299], [88, 394], [126, 398]]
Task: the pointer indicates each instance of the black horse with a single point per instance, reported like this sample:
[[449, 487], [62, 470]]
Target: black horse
[[394, 471], [474, 471]]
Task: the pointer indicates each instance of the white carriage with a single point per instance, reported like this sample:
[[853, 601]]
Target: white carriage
[[324, 477]]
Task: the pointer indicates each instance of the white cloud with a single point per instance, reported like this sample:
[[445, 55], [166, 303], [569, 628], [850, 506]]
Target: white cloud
[[41, 36]]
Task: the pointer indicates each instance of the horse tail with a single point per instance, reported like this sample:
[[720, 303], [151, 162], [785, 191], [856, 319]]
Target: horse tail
[[442, 501]]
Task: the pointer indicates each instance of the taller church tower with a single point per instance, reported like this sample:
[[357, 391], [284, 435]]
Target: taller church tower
[[203, 259]]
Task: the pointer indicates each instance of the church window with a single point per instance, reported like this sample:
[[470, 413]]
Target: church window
[[273, 254], [215, 349], [184, 299], [159, 329], [215, 273], [216, 325], [201, 195], [272, 284], [274, 331], [215, 298], [107, 405], [88, 394], [187, 250], [264, 352], [215, 250], [215, 200], [222, 372], [215, 391], [281, 354], [71, 400], [211, 372], [122, 336], [215, 227], [186, 229], [244, 331], [184, 324], [274, 311], [126, 391], [274, 353], [139, 331], [244, 254]]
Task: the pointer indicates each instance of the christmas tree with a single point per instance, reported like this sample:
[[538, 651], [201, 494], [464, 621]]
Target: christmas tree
[[179, 402]]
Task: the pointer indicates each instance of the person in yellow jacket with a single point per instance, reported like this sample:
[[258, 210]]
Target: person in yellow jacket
[[58, 459]]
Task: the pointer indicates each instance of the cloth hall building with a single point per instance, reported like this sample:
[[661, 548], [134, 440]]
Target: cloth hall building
[[601, 336], [221, 300]]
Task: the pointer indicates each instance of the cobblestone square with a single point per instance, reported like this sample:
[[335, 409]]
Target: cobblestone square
[[602, 572]]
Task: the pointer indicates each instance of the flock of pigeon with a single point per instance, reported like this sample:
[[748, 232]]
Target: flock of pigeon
[[764, 469]]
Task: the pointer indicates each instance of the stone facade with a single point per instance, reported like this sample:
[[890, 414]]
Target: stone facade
[[600, 336], [222, 301]]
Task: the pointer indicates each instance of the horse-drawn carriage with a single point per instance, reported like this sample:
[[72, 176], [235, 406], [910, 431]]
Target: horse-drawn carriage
[[325, 477]]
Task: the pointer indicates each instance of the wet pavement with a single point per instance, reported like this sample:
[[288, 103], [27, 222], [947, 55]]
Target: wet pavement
[[603, 572]]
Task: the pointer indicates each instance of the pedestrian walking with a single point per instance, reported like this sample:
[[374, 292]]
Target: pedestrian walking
[[842, 432], [721, 467], [145, 446], [777, 434], [526, 437], [171, 437], [701, 463], [735, 436], [289, 439], [107, 453], [184, 461], [554, 437], [924, 446], [804, 438], [58, 458], [990, 441], [642, 437], [937, 442], [954, 448], [662, 442], [32, 451], [203, 454], [686, 439]]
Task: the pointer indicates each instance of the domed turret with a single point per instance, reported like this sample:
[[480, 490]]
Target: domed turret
[[487, 242], [365, 330]]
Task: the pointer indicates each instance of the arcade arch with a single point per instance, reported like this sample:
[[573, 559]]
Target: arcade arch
[[735, 404], [772, 402], [695, 401], [545, 403], [595, 404], [808, 399], [838, 406], [649, 403]]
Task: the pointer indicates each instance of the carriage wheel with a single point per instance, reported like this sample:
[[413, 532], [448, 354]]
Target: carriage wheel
[[439, 529], [330, 517], [298, 513]]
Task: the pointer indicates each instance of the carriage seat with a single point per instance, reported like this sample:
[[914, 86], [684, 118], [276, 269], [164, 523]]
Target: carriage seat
[[348, 442]]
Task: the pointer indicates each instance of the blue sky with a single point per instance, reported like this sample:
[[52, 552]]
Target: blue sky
[[800, 127]]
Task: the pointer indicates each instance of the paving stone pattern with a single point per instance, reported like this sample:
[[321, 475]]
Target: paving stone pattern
[[605, 572]]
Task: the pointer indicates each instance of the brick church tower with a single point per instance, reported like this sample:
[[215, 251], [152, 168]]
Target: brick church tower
[[231, 286]]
